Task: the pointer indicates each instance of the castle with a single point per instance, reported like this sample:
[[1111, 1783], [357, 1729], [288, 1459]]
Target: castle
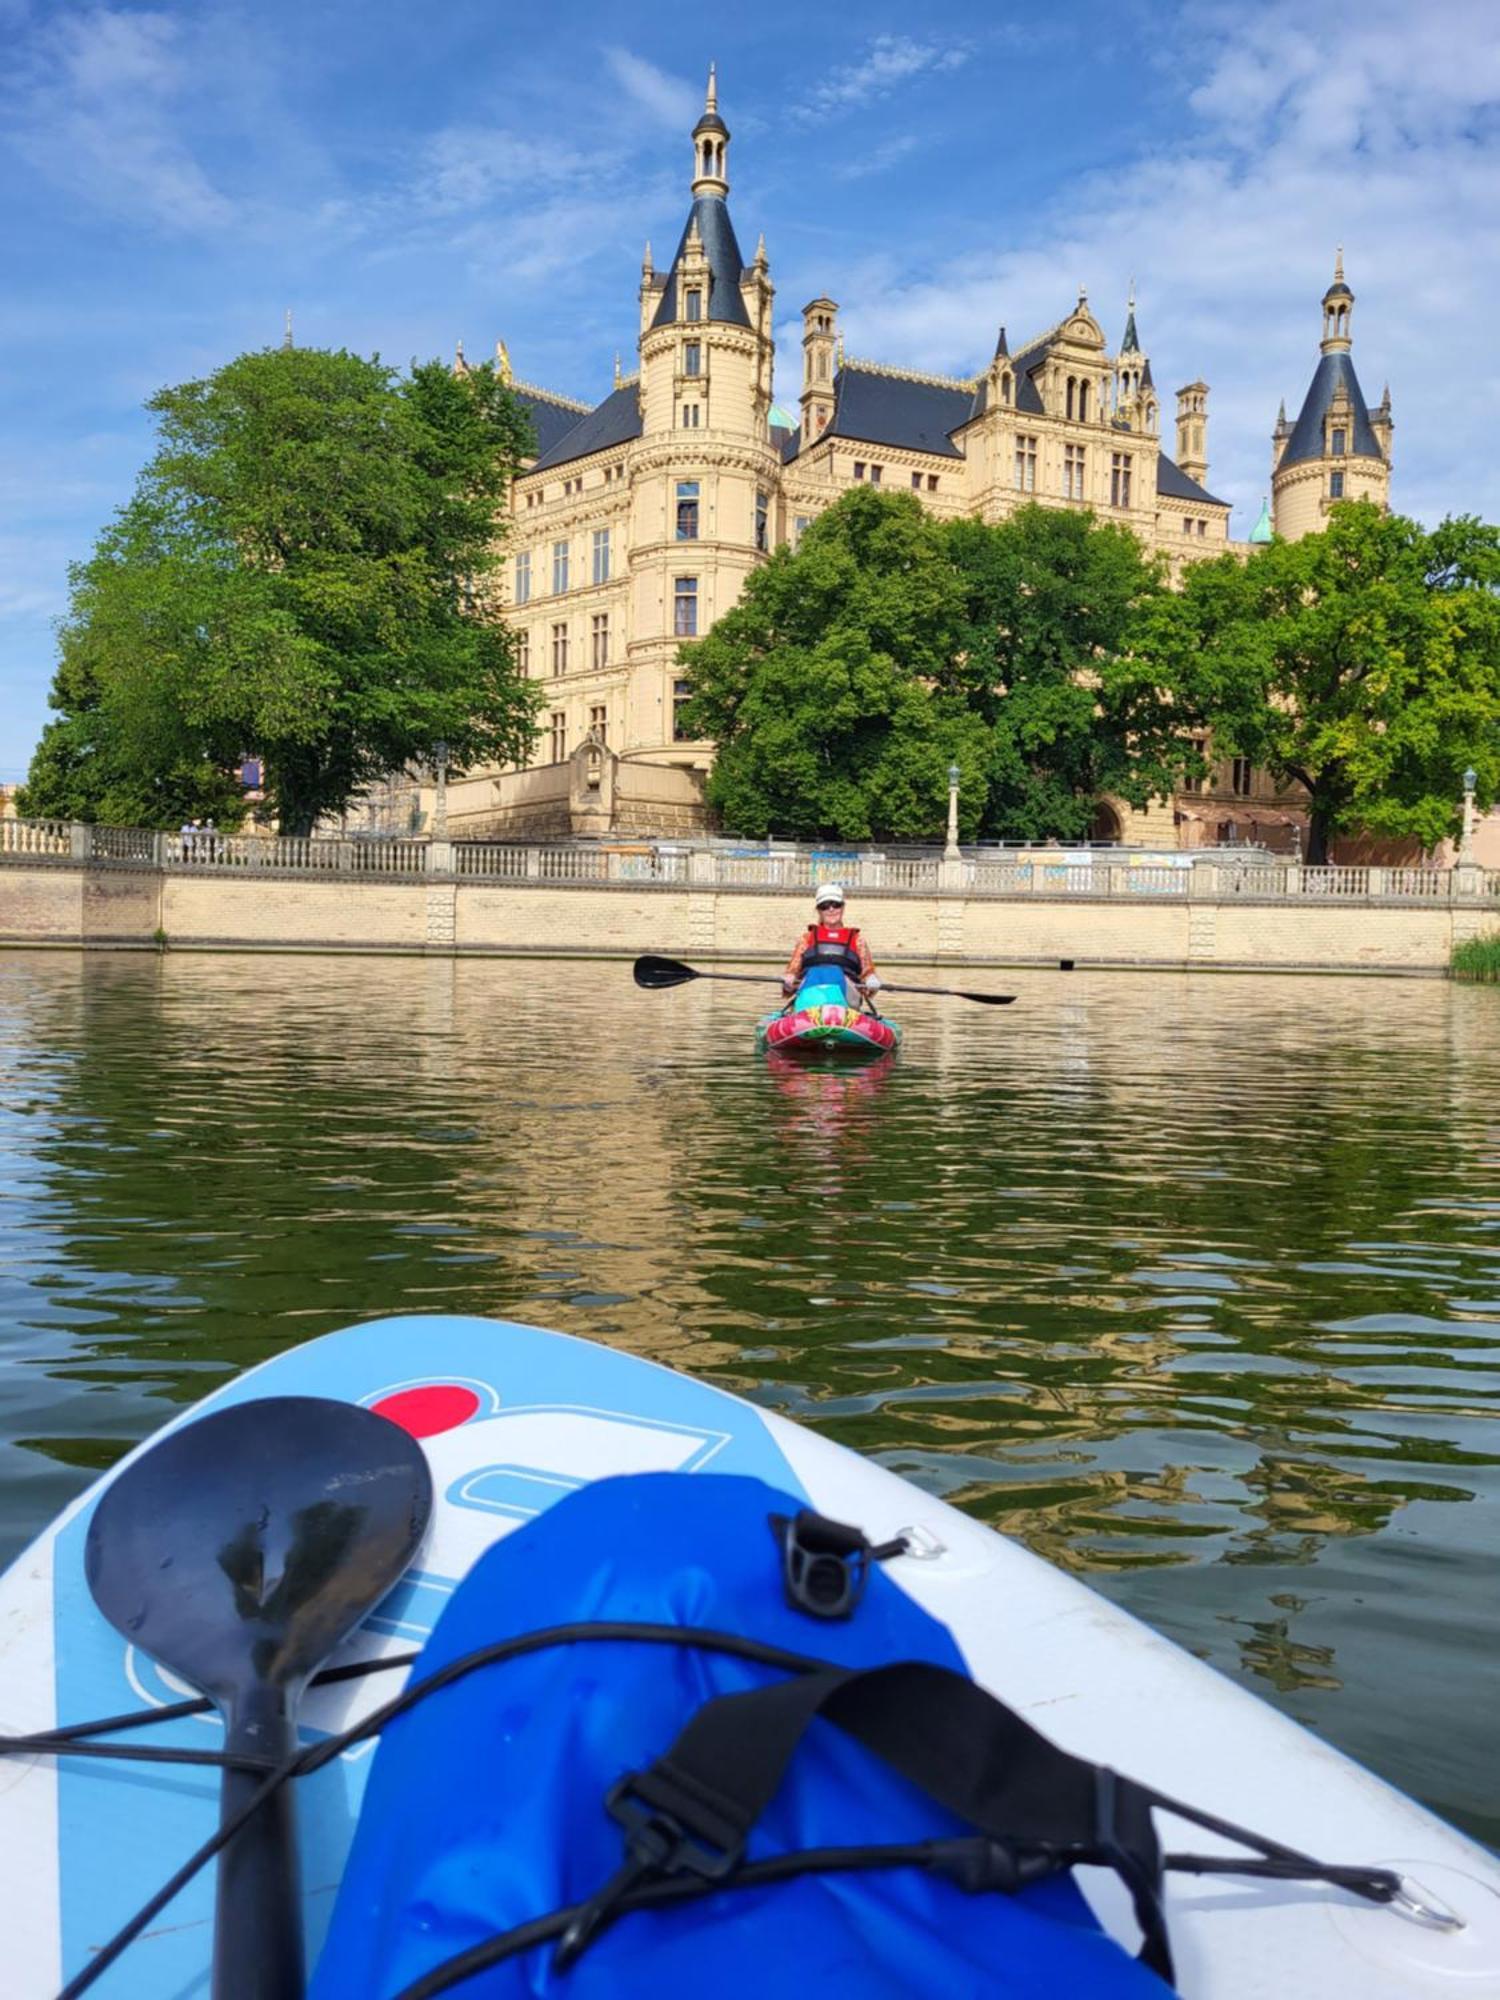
[[638, 520]]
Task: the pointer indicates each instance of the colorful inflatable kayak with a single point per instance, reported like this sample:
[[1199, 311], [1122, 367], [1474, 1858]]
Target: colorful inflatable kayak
[[821, 1018], [514, 1423]]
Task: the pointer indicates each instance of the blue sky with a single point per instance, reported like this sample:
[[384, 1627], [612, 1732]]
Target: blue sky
[[176, 177]]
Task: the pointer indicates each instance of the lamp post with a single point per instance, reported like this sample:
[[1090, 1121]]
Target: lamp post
[[950, 852], [1466, 845], [440, 791]]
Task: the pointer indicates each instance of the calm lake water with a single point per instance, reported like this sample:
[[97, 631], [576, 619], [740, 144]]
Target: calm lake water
[[1193, 1284]]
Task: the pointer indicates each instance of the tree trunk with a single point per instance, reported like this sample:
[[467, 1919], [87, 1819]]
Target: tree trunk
[[1318, 833]]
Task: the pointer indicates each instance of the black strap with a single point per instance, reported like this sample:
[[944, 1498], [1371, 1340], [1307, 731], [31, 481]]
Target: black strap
[[694, 1808]]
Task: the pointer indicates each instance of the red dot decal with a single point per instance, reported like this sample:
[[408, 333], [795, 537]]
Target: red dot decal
[[441, 1406]]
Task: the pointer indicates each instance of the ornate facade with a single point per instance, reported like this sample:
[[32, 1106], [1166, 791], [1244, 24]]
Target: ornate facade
[[638, 520]]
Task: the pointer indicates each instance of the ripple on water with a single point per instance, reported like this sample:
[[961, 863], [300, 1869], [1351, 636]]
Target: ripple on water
[[1185, 1283]]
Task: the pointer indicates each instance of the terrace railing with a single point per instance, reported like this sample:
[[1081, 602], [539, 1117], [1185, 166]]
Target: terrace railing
[[1038, 873]]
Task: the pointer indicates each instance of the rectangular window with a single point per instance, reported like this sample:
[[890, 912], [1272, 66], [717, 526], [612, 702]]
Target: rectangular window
[[687, 510], [1239, 777], [681, 695], [692, 358], [559, 736], [559, 649], [601, 555], [1073, 472], [1335, 485], [1199, 783], [932, 480], [601, 639], [523, 654], [916, 482], [875, 472], [559, 568], [523, 578], [1119, 478], [800, 527], [760, 522], [1026, 465], [1338, 444], [685, 607], [1202, 529], [859, 468], [694, 305], [599, 722], [690, 416]]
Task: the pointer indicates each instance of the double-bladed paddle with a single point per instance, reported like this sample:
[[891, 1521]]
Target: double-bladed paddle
[[655, 972], [238, 1552]]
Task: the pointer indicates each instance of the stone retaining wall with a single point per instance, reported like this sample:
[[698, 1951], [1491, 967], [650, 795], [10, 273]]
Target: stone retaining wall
[[62, 903]]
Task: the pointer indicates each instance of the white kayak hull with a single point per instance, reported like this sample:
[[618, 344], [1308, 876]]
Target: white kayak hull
[[526, 1417]]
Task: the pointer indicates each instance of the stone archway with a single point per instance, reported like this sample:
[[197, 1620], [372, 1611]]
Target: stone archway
[[1105, 824]]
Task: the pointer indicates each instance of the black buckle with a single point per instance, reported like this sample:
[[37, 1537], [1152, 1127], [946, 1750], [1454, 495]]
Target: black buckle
[[663, 1844], [824, 1564], [656, 1844]]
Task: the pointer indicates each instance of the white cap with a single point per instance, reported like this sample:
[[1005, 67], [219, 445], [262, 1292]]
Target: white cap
[[831, 892]]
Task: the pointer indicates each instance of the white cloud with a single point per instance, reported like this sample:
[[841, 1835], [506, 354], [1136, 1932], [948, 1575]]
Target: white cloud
[[666, 99], [1354, 124], [93, 104], [878, 159], [468, 166], [890, 61]]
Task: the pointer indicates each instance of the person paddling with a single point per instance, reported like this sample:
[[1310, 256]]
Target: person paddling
[[827, 941]]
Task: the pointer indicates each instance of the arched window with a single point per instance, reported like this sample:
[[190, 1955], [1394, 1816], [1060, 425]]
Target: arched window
[[1083, 402], [1005, 388], [1071, 387]]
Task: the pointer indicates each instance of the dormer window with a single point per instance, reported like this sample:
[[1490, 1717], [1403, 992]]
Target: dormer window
[[693, 304], [1337, 445]]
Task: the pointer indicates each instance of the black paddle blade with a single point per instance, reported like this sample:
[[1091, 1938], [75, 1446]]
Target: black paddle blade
[[654, 972], [240, 1550]]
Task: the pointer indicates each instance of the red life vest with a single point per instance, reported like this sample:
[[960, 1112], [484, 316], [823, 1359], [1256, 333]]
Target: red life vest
[[832, 944]]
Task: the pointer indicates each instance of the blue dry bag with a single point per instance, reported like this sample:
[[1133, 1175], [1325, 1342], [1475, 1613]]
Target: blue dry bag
[[521, 1787]]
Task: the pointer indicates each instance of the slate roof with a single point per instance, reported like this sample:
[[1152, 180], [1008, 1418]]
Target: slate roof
[[549, 420], [616, 419], [725, 264], [784, 441], [1306, 440], [887, 409], [1174, 482]]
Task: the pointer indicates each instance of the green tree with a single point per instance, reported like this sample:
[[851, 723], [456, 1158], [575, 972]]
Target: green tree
[[831, 688], [301, 573], [1363, 661], [1053, 604]]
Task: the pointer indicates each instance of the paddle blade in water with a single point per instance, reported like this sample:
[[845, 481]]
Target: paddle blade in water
[[655, 972]]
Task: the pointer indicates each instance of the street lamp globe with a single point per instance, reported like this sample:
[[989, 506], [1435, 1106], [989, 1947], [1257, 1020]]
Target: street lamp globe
[[1471, 779], [954, 774]]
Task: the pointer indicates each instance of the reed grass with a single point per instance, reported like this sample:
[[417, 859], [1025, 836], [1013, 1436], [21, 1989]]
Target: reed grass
[[1477, 958]]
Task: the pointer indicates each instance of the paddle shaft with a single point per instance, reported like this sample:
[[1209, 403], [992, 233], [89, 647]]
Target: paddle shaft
[[258, 1904], [761, 979]]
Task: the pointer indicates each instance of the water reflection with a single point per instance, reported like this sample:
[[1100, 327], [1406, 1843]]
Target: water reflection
[[1191, 1284]]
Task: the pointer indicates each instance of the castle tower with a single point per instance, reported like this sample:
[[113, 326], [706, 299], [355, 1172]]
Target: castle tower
[[1335, 450], [820, 331], [1192, 430], [705, 500], [1134, 391]]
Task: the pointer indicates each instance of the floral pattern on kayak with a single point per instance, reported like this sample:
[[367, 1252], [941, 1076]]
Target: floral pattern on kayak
[[828, 1023]]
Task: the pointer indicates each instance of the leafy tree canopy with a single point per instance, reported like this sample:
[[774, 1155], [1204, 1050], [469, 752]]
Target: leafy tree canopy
[[1053, 602], [300, 573], [831, 687], [1363, 661], [889, 645]]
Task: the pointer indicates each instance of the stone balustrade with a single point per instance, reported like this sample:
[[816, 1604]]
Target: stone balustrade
[[1108, 874]]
